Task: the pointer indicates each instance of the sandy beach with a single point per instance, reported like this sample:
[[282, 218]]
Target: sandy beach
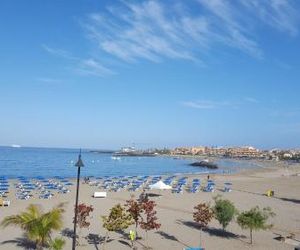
[[175, 213]]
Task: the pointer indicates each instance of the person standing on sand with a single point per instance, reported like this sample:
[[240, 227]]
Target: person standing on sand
[[142, 196]]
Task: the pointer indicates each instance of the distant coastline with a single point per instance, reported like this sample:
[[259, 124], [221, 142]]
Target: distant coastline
[[49, 162], [102, 151]]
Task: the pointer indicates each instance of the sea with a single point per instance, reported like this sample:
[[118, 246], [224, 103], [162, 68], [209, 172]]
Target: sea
[[51, 162]]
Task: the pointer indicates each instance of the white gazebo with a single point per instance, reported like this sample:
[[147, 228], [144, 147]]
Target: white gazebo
[[160, 185]]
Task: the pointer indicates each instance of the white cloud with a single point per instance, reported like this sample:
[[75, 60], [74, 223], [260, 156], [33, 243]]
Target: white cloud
[[228, 28], [211, 104], [205, 104], [155, 30], [143, 32], [279, 14], [251, 100], [150, 30], [48, 80], [85, 67], [58, 52], [92, 67], [146, 31], [283, 65], [291, 113]]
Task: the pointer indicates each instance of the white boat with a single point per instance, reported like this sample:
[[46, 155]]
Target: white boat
[[15, 146], [115, 158]]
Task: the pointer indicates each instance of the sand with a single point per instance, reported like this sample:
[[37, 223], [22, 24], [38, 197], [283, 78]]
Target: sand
[[175, 213]]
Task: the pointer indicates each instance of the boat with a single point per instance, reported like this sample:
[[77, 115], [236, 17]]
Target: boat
[[116, 158], [15, 146]]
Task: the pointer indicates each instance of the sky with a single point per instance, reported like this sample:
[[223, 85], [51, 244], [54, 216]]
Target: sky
[[107, 74]]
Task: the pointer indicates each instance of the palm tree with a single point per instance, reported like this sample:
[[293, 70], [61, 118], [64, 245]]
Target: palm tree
[[57, 244], [38, 226]]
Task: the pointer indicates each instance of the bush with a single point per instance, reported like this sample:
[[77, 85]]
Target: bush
[[202, 215], [224, 211], [255, 219]]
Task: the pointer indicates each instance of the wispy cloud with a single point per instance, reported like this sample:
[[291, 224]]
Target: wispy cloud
[[206, 104], [283, 65], [279, 14], [92, 67], [82, 66], [212, 104], [154, 31], [150, 30], [251, 100], [59, 52], [142, 31], [290, 113], [228, 27], [48, 80]]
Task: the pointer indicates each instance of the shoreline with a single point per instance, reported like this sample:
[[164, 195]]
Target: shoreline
[[175, 211], [257, 165]]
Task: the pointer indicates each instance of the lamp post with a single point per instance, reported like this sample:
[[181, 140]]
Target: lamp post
[[78, 164]]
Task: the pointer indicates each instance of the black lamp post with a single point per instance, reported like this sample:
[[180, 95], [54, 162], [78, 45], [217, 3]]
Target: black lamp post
[[78, 164]]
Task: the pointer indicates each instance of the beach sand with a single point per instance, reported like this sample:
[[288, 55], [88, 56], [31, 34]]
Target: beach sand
[[175, 213]]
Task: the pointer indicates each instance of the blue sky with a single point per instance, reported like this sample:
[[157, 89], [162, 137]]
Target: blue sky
[[105, 74]]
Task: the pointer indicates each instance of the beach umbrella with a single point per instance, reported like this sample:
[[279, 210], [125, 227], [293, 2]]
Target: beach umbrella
[[160, 185]]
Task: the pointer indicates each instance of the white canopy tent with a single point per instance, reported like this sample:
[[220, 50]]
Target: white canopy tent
[[160, 185]]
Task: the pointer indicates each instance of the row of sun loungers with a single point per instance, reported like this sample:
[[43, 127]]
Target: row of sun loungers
[[41, 186], [134, 183], [4, 189], [45, 188], [4, 186]]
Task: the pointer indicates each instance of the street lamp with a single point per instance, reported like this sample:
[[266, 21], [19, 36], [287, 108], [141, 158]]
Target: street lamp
[[78, 164]]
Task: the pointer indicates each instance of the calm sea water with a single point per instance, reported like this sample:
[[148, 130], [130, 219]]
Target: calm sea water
[[32, 162]]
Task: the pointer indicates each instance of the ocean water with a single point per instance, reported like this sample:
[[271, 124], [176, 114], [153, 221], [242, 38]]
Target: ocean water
[[49, 162]]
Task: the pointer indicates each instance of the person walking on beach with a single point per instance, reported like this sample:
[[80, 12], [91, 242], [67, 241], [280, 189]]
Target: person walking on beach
[[143, 196]]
